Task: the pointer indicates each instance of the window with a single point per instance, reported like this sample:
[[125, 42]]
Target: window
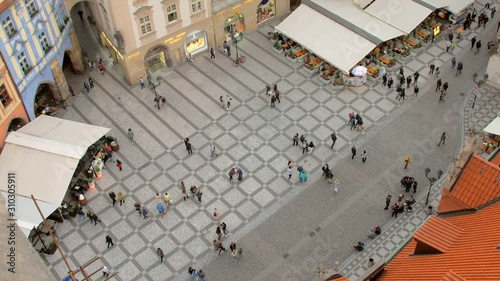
[[196, 6], [61, 17], [145, 24], [31, 7], [172, 13], [8, 26], [44, 42], [23, 62], [4, 96]]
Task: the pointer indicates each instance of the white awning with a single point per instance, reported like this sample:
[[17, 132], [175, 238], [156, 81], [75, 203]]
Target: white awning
[[43, 155], [358, 18], [402, 14], [456, 6], [326, 38], [435, 4], [493, 127]]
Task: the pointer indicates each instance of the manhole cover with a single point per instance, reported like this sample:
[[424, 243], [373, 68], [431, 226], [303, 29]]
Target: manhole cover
[[462, 94]]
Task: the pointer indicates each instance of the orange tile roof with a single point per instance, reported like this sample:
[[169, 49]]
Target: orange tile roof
[[478, 184], [496, 160], [4, 5], [438, 234], [472, 256]]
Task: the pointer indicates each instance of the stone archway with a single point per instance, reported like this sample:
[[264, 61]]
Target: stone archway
[[46, 96], [16, 124], [157, 58]]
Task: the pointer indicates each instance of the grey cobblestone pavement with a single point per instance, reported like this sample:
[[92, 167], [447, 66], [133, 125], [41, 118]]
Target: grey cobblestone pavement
[[271, 217]]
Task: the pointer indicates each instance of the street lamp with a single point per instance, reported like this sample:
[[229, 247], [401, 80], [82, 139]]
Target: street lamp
[[432, 180], [235, 41], [152, 85]]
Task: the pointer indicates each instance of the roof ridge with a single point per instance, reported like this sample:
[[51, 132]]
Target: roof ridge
[[438, 234]]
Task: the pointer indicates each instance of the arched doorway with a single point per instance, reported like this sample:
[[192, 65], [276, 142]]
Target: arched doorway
[[265, 10], [45, 97], [16, 124], [196, 42], [234, 27], [156, 58], [67, 65]]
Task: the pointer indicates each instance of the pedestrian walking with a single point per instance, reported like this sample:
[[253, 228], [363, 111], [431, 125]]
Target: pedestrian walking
[[201, 275], [119, 164], [218, 246], [184, 193], [273, 101], [310, 147], [445, 87], [460, 66], [109, 241], [91, 83], [438, 85], [401, 72], [224, 47], [402, 94], [81, 214], [71, 91], [121, 198], [222, 103], [415, 77], [159, 252], [91, 65], [448, 45], [193, 191], [353, 151], [212, 53], [167, 199], [105, 271], [277, 95], [336, 185], [390, 82], [232, 246], [137, 207], [387, 201], [384, 80], [130, 135], [161, 209], [334, 139], [101, 68], [199, 194], [415, 92], [415, 185], [363, 156], [223, 228], [142, 83], [212, 150], [240, 253], [231, 173], [86, 86], [431, 68], [289, 172], [305, 145], [441, 96], [295, 139], [408, 81], [453, 62], [478, 46], [216, 215], [268, 89], [473, 42], [145, 212], [407, 161], [234, 255], [239, 171], [436, 73], [112, 195], [229, 99], [443, 138], [275, 87]]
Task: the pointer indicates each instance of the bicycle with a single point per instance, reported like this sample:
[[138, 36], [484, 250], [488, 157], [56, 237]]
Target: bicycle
[[238, 60]]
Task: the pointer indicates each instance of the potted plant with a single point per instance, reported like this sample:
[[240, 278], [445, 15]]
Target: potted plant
[[113, 143], [325, 78], [392, 63], [51, 249], [338, 84], [98, 172], [290, 55], [72, 209], [405, 54], [278, 48], [273, 36], [90, 183]]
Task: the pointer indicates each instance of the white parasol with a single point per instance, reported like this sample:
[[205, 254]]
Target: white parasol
[[359, 71]]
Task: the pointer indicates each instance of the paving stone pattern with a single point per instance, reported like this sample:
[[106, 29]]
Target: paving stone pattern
[[250, 135]]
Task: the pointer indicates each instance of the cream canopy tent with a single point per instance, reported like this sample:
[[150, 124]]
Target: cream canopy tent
[[493, 127], [43, 155]]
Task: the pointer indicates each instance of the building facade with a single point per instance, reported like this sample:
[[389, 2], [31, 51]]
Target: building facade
[[12, 113], [147, 36], [37, 35]]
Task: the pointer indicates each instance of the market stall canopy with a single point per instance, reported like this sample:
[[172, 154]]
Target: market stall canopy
[[43, 155], [493, 127], [456, 6], [326, 38], [353, 17], [433, 4], [405, 15]]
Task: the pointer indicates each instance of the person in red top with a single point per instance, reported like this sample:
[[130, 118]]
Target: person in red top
[[101, 68], [119, 165]]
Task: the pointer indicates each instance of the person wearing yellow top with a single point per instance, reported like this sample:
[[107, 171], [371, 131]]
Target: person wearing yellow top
[[121, 198], [167, 199]]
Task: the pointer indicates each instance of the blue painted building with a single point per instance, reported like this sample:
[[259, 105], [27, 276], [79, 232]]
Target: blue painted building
[[35, 36]]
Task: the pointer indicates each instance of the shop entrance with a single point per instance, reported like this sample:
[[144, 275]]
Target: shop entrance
[[234, 27], [157, 59], [16, 124], [196, 42], [265, 10], [45, 101]]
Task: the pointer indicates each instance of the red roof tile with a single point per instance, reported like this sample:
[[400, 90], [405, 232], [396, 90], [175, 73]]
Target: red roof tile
[[473, 255], [4, 5], [478, 184]]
